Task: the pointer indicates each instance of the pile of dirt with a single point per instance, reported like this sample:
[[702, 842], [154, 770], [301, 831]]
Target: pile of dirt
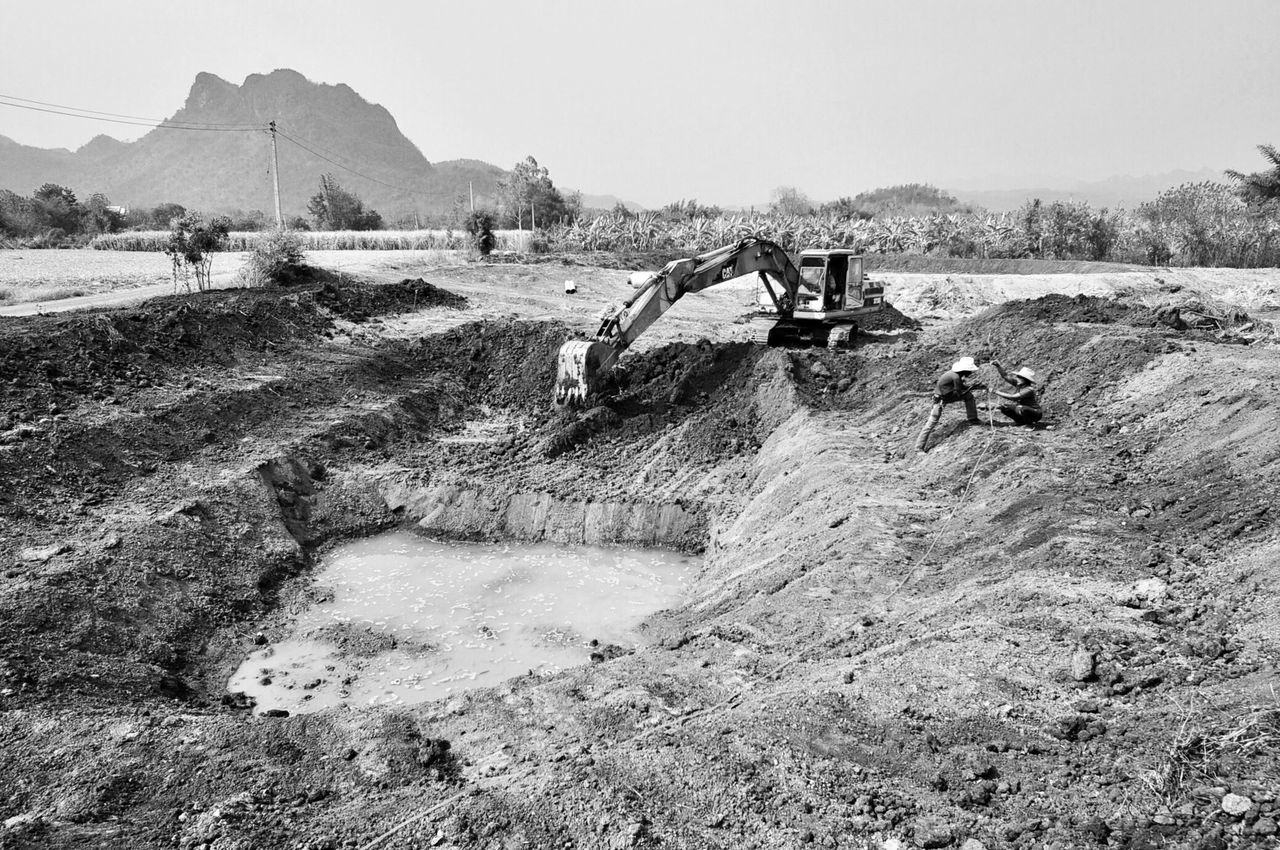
[[704, 388], [359, 302], [1063, 308], [889, 318], [50, 361]]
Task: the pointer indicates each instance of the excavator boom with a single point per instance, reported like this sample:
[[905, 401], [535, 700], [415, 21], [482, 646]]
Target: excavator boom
[[583, 364]]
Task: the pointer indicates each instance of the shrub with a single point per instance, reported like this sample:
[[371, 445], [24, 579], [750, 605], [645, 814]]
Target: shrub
[[191, 246], [276, 259], [479, 226]]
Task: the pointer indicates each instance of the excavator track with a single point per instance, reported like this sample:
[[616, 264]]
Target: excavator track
[[761, 328], [841, 336]]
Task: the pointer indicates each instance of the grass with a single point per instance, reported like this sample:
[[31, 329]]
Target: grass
[[332, 240], [28, 294], [920, 264], [1210, 746]]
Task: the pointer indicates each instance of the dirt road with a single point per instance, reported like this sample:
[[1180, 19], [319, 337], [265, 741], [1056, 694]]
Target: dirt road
[[1053, 638]]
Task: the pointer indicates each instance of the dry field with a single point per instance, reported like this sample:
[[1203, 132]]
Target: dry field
[[48, 275], [74, 278]]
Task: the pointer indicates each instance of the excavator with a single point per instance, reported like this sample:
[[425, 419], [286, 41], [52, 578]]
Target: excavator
[[815, 304]]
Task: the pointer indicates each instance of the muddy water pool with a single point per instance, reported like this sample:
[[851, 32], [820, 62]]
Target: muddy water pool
[[398, 618]]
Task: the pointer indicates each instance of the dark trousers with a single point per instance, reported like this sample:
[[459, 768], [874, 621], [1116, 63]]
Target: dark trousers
[[970, 409], [1021, 414]]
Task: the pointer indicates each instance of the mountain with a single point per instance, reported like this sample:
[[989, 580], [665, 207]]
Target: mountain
[[214, 171], [1122, 191]]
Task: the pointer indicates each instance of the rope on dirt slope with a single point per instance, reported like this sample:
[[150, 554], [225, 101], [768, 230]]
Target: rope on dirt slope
[[414, 818], [991, 430]]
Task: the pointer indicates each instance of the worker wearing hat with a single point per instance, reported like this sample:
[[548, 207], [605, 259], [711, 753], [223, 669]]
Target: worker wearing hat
[[1023, 406], [952, 386]]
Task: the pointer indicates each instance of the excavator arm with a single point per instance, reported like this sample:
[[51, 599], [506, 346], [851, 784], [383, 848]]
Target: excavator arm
[[582, 364]]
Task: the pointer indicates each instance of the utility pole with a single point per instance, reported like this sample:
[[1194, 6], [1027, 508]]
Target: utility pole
[[275, 174], [472, 192], [533, 217]]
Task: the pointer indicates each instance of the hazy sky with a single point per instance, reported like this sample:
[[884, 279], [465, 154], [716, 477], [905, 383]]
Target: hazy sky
[[655, 100]]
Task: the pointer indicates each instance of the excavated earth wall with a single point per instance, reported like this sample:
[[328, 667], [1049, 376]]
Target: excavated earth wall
[[1063, 637]]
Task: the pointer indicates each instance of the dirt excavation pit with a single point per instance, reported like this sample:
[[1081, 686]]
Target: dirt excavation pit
[[1054, 638], [398, 619]]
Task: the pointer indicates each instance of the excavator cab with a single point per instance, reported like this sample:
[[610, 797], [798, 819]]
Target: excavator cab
[[830, 283]]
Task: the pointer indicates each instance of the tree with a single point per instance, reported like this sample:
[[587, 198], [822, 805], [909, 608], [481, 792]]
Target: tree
[[164, 214], [334, 208], [907, 199], [1261, 186], [18, 215], [788, 200], [844, 207], [253, 220], [99, 217], [59, 208], [527, 196], [689, 210], [479, 225], [1031, 218], [1207, 224], [192, 242]]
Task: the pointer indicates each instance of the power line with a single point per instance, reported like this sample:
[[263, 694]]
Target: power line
[[313, 143], [158, 125], [286, 136], [134, 117]]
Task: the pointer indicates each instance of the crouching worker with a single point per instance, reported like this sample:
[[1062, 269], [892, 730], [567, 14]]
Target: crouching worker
[[1023, 407], [952, 386]]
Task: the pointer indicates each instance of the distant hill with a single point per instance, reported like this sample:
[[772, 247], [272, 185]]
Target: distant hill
[[607, 202], [1126, 191], [911, 199], [220, 171]]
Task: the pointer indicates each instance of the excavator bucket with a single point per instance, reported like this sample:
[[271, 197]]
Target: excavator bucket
[[579, 369]]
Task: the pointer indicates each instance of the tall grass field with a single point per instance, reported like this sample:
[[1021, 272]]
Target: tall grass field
[[327, 240]]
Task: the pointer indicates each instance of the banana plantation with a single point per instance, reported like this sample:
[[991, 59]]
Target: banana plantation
[[1196, 225]]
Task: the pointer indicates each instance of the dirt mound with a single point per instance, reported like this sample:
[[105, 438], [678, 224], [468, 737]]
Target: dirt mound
[[507, 363], [1062, 308], [889, 318], [707, 387], [49, 361], [358, 302]]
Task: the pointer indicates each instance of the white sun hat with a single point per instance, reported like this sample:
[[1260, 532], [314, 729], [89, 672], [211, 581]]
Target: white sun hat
[[1025, 372], [964, 364]]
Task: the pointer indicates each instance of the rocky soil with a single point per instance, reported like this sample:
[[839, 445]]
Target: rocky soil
[[1062, 637]]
